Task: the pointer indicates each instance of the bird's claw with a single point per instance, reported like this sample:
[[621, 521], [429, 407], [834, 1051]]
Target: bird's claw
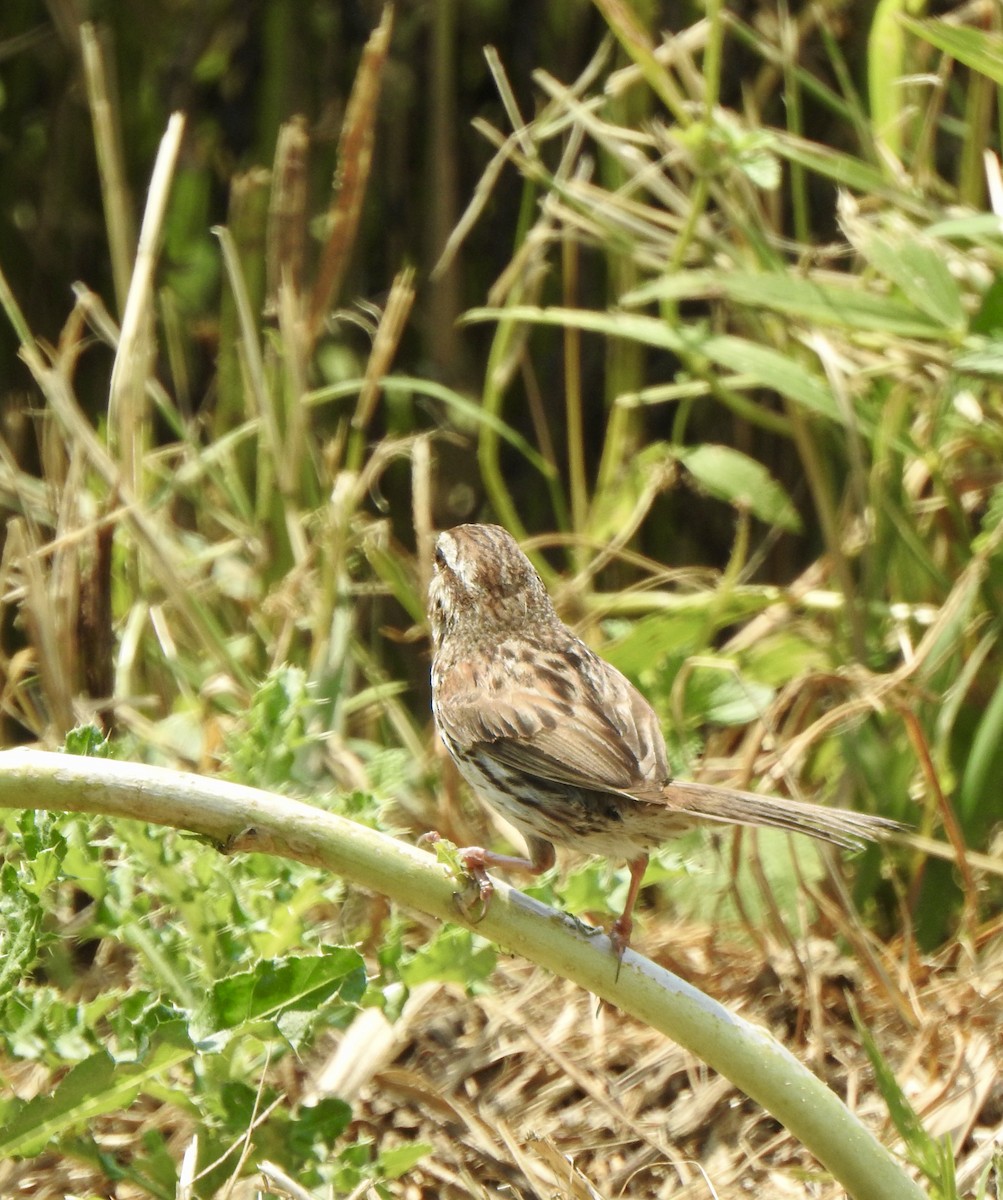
[[475, 909], [468, 864], [619, 936]]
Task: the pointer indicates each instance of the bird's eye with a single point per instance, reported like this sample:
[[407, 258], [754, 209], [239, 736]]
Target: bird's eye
[[440, 558]]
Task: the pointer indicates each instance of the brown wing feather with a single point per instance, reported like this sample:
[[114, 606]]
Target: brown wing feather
[[531, 735]]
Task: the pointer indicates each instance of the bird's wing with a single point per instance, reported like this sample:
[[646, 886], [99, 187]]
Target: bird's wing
[[528, 732], [599, 734]]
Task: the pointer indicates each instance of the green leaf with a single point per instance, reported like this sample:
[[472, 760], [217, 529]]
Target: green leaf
[[919, 271], [392, 1164], [468, 409], [642, 477], [777, 371], [922, 1150], [979, 788], [974, 227], [986, 359], [730, 475], [648, 642], [847, 171], [845, 304], [785, 655], [93, 1087], [721, 696], [275, 988], [454, 955], [769, 367], [395, 571], [981, 51], [988, 320], [88, 741], [34, 861]]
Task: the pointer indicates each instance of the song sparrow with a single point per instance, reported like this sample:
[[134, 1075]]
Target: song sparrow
[[556, 739]]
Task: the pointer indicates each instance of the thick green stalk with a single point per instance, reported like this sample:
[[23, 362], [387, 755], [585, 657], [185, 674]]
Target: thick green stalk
[[238, 818]]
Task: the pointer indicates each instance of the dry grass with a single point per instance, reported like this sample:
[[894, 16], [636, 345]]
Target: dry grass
[[533, 1090]]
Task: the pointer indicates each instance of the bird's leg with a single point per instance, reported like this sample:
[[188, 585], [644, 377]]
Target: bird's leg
[[476, 860], [620, 932]]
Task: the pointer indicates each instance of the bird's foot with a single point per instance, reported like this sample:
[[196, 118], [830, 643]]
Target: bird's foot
[[469, 863]]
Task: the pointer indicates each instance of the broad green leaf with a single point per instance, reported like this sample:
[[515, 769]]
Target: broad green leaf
[[730, 475], [988, 320], [454, 955], [723, 697], [785, 655], [774, 370], [277, 987], [651, 640]]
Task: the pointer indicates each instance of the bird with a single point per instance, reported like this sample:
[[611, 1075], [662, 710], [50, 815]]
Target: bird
[[561, 743]]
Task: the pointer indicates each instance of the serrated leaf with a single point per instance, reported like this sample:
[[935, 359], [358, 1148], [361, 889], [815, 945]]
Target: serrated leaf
[[93, 1087], [730, 475], [88, 741], [392, 1164], [277, 987]]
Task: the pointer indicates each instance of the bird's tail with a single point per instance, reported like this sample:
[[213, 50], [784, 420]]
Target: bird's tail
[[841, 826]]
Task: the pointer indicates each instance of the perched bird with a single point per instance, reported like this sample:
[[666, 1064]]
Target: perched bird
[[556, 739]]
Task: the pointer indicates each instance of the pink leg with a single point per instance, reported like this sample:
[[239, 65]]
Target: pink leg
[[476, 860], [619, 935]]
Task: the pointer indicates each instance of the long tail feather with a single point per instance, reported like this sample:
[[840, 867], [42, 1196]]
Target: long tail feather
[[841, 826]]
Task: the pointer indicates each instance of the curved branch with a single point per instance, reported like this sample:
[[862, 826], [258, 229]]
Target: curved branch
[[239, 818]]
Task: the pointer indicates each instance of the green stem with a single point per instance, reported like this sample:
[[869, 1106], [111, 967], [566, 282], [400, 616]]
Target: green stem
[[238, 818]]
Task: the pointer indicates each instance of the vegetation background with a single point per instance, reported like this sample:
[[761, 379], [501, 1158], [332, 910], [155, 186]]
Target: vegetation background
[[703, 302]]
